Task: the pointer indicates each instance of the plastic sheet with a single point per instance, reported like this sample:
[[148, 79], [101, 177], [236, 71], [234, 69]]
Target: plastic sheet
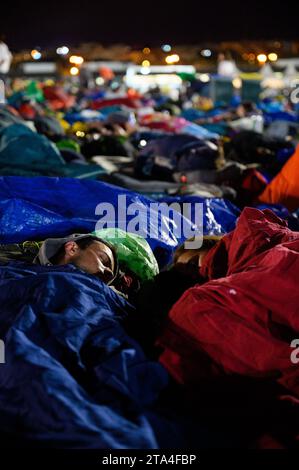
[[34, 209], [133, 251]]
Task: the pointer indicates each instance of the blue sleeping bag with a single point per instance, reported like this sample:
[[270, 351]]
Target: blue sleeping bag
[[72, 377]]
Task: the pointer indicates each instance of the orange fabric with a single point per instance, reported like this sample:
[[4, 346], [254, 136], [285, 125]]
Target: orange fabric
[[284, 188]]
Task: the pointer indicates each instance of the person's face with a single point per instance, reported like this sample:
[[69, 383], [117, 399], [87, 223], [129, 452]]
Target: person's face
[[241, 111], [96, 259]]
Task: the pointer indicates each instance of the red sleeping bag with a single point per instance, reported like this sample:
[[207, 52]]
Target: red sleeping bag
[[243, 320], [57, 98], [127, 101]]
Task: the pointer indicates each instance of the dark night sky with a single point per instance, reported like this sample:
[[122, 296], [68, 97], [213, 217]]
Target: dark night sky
[[50, 23]]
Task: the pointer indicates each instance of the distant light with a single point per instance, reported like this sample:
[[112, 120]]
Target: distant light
[[76, 59], [80, 134], [114, 85], [237, 83], [206, 53], [74, 71], [100, 81], [251, 57], [204, 77], [172, 59], [262, 58], [146, 51], [36, 55], [63, 50], [166, 48], [142, 143], [273, 57], [145, 70], [146, 63]]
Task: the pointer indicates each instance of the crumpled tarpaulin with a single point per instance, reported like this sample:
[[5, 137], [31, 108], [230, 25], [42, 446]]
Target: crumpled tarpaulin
[[34, 209], [219, 215]]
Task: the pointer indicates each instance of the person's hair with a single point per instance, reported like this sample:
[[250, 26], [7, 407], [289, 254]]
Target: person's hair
[[83, 243], [249, 106], [207, 244]]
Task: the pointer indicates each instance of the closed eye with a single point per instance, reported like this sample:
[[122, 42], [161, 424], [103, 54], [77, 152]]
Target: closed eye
[[105, 259]]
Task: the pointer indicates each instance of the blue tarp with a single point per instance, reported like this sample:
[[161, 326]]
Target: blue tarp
[[192, 114], [281, 116], [73, 117], [45, 207], [72, 377], [200, 132], [34, 209]]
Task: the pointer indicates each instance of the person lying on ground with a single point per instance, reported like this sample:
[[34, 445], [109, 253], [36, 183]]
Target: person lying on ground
[[244, 109], [87, 252], [157, 296], [227, 342], [241, 324]]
